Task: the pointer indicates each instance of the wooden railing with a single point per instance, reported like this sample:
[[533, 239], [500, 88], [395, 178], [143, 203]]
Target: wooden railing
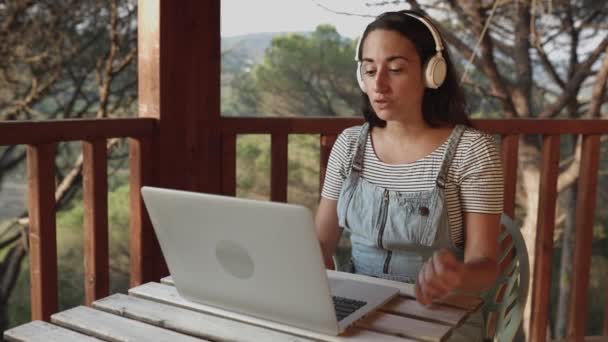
[[510, 132], [41, 138]]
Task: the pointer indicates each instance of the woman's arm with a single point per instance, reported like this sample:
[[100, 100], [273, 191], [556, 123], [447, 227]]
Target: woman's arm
[[328, 232], [443, 273]]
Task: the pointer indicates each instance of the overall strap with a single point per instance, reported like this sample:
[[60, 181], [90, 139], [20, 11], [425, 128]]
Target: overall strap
[[450, 151], [357, 163]]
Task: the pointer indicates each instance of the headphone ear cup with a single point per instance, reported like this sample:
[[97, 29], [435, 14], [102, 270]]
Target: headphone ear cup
[[360, 77], [435, 71]]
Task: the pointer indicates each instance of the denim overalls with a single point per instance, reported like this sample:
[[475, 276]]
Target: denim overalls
[[393, 233]]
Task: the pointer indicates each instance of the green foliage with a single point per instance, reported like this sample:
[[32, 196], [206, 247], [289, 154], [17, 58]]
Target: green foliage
[[253, 166], [303, 170], [300, 75], [247, 98], [70, 256]]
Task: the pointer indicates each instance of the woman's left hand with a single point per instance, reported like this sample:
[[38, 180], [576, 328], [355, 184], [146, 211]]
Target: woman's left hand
[[441, 274]]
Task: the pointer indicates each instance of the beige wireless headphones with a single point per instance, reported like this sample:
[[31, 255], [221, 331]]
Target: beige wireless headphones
[[435, 68]]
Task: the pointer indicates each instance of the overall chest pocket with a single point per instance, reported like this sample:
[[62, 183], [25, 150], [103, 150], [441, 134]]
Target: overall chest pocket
[[410, 220], [359, 210]]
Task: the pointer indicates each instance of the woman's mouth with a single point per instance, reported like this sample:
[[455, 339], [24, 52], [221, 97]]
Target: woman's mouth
[[381, 103]]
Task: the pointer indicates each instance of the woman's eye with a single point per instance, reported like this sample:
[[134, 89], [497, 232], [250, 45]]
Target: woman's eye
[[395, 70], [369, 72]]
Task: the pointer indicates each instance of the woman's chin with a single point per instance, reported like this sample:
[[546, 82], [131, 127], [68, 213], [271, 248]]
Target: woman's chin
[[385, 114]]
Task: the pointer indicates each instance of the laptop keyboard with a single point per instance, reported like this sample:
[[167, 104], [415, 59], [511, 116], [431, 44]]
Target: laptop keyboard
[[346, 306]]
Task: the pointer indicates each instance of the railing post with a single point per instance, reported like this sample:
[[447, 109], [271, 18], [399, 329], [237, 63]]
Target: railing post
[[544, 238], [585, 210], [278, 170], [42, 225], [147, 262], [95, 193]]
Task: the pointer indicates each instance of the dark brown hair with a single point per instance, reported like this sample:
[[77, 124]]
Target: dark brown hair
[[444, 105]]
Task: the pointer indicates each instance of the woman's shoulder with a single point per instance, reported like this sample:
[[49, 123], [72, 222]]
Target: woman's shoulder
[[348, 138], [474, 137], [476, 148], [352, 131]]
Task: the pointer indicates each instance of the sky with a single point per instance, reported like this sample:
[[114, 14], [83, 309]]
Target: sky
[[297, 15]]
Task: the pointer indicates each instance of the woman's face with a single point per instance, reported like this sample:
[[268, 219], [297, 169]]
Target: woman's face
[[391, 71]]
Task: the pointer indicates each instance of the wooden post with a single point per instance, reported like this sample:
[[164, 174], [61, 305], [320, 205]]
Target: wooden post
[[42, 236], [544, 238], [585, 210], [95, 198], [179, 84], [509, 151], [278, 169]]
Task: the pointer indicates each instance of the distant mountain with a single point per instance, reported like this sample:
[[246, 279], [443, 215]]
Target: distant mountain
[[243, 51]]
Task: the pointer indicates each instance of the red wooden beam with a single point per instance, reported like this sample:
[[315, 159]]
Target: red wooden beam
[[585, 210], [333, 125], [278, 170], [147, 262], [42, 235], [179, 83], [52, 131], [95, 198], [544, 238], [509, 149]]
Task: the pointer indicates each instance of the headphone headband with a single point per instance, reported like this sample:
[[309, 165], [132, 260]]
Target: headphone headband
[[435, 67], [426, 22]]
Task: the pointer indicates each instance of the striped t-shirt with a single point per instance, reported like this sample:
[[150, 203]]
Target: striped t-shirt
[[474, 182]]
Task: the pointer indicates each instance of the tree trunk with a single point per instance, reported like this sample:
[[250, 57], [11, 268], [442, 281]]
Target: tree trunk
[[565, 272], [530, 180]]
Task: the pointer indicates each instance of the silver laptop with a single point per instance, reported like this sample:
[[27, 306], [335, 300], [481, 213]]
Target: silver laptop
[[256, 258]]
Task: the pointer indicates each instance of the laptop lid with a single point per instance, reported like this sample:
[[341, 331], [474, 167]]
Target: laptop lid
[[254, 257]]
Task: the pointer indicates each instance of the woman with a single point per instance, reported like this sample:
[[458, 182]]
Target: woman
[[418, 189]]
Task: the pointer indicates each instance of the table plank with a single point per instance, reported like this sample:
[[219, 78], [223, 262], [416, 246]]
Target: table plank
[[115, 328], [187, 321], [404, 326], [168, 294], [39, 331], [437, 312]]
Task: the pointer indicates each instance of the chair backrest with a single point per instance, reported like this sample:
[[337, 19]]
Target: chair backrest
[[505, 302]]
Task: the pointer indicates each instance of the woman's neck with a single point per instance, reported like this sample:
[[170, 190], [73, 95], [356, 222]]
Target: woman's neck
[[404, 132]]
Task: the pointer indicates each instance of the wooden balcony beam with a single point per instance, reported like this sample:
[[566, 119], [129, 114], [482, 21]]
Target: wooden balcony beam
[[544, 238], [95, 198], [52, 131], [42, 230], [510, 150], [279, 165], [585, 217]]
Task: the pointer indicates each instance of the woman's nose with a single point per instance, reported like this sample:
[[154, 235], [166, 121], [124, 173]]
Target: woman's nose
[[381, 81]]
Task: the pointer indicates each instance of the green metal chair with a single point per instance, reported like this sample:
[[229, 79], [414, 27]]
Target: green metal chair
[[507, 311]]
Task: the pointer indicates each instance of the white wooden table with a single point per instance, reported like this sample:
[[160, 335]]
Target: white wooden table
[[156, 312]]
